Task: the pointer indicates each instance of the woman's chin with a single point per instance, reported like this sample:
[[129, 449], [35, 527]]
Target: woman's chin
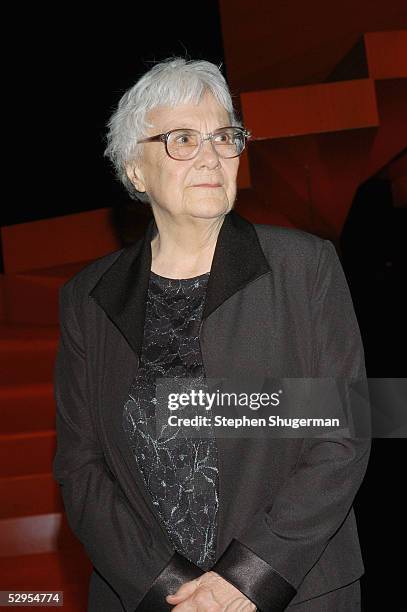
[[208, 207]]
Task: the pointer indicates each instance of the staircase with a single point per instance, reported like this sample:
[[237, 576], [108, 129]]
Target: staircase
[[38, 551]]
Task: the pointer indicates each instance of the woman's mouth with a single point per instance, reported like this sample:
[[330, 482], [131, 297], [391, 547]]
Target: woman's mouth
[[212, 185]]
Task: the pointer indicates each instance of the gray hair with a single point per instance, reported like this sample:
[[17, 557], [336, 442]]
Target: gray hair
[[169, 83]]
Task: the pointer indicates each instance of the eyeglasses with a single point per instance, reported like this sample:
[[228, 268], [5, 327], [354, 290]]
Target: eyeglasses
[[184, 144]]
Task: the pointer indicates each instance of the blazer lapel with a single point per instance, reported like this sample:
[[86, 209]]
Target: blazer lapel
[[122, 289], [238, 260]]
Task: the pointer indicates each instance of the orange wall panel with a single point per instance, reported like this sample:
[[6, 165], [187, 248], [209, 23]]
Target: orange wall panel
[[387, 54], [286, 42], [61, 240], [297, 111]]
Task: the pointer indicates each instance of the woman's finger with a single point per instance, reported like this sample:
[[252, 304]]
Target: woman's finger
[[184, 591]]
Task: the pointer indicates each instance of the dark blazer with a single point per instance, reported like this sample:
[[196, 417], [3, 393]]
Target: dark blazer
[[277, 305]]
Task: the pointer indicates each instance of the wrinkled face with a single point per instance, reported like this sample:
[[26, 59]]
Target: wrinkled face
[[201, 187]]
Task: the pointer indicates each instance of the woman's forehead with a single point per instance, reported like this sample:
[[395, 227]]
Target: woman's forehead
[[207, 111]]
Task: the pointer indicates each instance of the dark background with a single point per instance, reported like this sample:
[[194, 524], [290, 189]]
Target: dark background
[[66, 72]]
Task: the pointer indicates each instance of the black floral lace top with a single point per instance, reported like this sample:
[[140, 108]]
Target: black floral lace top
[[180, 472]]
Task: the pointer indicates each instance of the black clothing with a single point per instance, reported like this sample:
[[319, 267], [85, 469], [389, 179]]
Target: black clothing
[[277, 305], [181, 473]]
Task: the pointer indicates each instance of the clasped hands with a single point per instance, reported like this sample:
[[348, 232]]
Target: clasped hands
[[209, 593]]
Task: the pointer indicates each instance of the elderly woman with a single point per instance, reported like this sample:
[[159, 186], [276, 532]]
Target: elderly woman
[[203, 523]]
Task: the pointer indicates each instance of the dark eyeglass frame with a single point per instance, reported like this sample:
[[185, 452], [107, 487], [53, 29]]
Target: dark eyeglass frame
[[165, 136]]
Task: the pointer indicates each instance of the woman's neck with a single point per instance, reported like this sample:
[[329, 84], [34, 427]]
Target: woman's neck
[[184, 252]]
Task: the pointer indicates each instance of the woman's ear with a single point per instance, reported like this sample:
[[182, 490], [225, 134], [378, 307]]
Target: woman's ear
[[135, 175]]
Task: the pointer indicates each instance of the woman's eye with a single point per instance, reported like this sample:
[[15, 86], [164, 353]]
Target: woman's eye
[[223, 138], [184, 139]]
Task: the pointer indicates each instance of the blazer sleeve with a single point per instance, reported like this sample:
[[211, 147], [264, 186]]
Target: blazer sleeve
[[273, 555], [139, 565]]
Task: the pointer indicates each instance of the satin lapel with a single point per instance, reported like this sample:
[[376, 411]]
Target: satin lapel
[[122, 290], [238, 259]]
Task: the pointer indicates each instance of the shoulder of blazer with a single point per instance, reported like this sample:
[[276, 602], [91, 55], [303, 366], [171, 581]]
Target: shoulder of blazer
[[286, 243], [298, 258], [81, 283]]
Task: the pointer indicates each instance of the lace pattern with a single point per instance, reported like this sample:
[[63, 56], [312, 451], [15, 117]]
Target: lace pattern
[[181, 473]]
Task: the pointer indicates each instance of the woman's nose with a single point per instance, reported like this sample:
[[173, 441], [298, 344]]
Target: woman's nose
[[207, 156]]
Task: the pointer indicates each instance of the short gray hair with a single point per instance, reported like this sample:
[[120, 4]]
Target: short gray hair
[[169, 83]]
